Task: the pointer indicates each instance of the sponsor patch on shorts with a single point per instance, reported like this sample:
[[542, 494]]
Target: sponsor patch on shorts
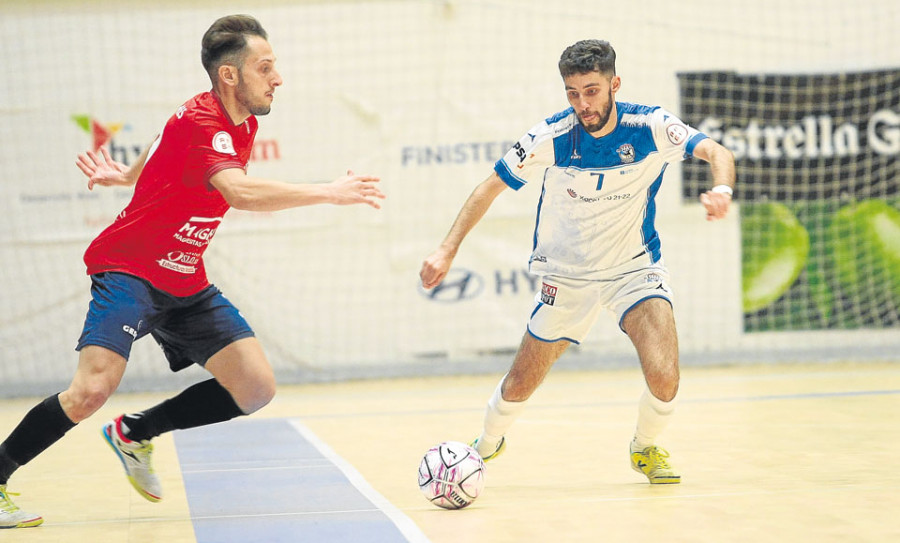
[[548, 294]]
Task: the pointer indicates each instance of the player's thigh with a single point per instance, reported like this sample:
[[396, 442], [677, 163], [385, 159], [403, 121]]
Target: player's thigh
[[642, 302], [650, 325], [533, 361], [99, 373], [244, 370]]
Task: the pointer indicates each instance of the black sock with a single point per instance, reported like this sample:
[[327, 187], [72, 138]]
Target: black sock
[[41, 427], [198, 405]]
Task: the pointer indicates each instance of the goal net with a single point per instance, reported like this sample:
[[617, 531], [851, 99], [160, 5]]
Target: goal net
[[818, 167]]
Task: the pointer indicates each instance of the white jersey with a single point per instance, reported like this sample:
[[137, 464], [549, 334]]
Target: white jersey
[[597, 208]]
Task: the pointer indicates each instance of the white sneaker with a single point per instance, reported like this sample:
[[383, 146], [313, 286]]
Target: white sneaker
[[498, 450], [135, 457], [13, 517]]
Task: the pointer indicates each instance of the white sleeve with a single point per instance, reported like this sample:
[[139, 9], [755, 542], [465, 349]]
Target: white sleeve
[[674, 139], [529, 158]]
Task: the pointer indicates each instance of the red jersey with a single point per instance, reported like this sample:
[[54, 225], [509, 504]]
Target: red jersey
[[162, 233]]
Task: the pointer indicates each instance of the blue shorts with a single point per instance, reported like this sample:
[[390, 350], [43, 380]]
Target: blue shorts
[[189, 329]]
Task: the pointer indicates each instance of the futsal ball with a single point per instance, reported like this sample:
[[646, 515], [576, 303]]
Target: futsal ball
[[451, 475]]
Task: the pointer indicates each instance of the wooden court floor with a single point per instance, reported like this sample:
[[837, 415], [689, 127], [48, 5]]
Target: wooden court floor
[[768, 453]]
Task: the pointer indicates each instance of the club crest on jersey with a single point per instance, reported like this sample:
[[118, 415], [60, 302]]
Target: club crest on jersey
[[626, 153], [548, 294], [222, 143], [677, 133]]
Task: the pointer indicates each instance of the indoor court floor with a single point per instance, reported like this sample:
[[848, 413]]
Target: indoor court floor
[[767, 453]]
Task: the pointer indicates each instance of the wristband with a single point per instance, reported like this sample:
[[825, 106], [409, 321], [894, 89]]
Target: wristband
[[722, 189]]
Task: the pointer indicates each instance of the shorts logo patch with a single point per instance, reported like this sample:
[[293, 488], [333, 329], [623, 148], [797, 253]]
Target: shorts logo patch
[[548, 294], [222, 143]]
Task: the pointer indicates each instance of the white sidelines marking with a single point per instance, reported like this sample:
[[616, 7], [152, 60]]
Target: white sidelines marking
[[407, 527]]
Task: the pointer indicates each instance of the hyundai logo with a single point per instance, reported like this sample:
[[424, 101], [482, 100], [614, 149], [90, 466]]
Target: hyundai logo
[[458, 285]]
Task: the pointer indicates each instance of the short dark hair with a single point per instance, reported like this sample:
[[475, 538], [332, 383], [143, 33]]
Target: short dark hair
[[588, 56], [226, 42]]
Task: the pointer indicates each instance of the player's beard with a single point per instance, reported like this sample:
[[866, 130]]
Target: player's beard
[[243, 96], [603, 117]]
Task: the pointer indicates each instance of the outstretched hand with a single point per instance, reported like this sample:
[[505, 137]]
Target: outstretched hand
[[103, 170], [356, 189], [716, 204]]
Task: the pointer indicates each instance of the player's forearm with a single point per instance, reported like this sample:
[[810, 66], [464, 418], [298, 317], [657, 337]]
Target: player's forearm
[[468, 217], [720, 159], [721, 163], [472, 212], [257, 194], [131, 175]]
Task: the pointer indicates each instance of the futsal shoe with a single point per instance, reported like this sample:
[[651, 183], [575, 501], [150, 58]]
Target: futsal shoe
[[13, 517], [135, 457], [497, 452], [652, 463]]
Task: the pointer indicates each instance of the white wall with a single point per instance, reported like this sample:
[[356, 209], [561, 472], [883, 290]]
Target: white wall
[[371, 86]]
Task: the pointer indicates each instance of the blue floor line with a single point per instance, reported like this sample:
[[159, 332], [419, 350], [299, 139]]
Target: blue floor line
[[260, 480], [797, 396]]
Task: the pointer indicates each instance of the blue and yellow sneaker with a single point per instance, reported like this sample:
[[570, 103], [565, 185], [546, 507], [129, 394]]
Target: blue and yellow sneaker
[[652, 463]]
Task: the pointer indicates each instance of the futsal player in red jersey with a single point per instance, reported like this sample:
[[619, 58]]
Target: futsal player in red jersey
[[148, 275]]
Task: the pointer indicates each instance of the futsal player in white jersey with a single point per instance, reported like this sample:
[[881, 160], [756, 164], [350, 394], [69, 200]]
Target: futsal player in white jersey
[[600, 164]]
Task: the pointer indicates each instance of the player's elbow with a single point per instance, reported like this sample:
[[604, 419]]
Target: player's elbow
[[242, 197], [242, 201], [720, 154]]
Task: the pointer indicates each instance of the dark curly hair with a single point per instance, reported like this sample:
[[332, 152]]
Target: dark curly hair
[[588, 56]]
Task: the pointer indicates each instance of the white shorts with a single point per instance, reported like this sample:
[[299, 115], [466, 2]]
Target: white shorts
[[567, 308]]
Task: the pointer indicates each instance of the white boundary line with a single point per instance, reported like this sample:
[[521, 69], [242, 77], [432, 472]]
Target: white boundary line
[[407, 527]]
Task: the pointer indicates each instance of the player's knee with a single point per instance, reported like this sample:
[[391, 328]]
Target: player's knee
[[665, 389], [515, 389], [257, 396], [265, 394], [82, 402]]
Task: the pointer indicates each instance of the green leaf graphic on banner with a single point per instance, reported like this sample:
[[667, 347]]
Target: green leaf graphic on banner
[[815, 216], [774, 250], [865, 251]]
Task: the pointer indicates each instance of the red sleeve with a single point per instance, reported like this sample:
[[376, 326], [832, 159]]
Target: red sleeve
[[211, 150]]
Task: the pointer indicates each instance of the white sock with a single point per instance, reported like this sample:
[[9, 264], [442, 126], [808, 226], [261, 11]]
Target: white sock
[[653, 417], [498, 417]]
